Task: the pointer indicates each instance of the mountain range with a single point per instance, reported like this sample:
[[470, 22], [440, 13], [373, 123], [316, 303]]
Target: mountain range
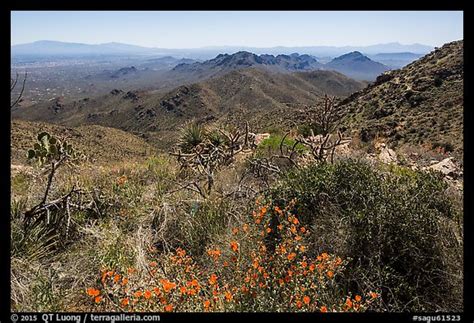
[[354, 64], [49, 47], [420, 103]]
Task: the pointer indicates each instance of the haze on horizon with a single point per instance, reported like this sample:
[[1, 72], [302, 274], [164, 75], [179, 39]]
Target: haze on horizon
[[196, 29]]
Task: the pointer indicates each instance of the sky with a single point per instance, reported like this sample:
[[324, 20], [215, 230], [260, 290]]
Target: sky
[[193, 29]]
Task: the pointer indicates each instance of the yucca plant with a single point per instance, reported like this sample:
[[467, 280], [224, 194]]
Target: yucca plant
[[192, 136]]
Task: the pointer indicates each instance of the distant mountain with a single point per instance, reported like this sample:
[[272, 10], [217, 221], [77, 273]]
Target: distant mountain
[[224, 62], [354, 65], [357, 66], [166, 62], [56, 48], [421, 103], [395, 60], [324, 51], [45, 47]]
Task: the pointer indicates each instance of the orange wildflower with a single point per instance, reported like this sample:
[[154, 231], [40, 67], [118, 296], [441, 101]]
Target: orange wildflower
[[263, 210], [298, 238], [167, 285], [125, 302], [373, 295], [306, 300], [137, 294], [228, 296], [302, 248], [269, 230], [255, 264], [330, 274], [93, 292], [124, 281], [97, 299], [358, 298], [245, 227], [147, 294], [312, 267], [121, 180], [291, 256], [303, 229], [157, 291], [324, 255], [182, 290], [293, 229], [295, 221], [194, 283], [235, 246], [180, 252], [153, 264], [116, 278], [213, 279], [235, 230], [258, 221], [323, 309], [280, 227], [299, 304], [214, 253], [207, 304], [304, 264], [348, 303], [169, 308]]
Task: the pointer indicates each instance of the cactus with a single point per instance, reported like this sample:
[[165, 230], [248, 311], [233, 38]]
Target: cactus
[[49, 149]]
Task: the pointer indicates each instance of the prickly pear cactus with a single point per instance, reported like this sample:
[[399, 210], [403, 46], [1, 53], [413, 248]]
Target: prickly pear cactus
[[48, 149]]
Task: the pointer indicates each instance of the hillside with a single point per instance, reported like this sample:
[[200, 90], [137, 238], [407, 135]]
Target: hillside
[[420, 103], [100, 144], [264, 98]]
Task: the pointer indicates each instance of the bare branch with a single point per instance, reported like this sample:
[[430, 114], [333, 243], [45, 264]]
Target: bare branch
[[20, 95]]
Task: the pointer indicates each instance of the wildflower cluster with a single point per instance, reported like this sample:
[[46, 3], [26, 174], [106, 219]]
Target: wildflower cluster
[[263, 265]]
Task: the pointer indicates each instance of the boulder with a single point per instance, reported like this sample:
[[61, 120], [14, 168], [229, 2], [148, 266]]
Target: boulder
[[387, 155], [447, 167]]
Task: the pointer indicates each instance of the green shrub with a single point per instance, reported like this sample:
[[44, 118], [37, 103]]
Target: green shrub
[[390, 222], [272, 144]]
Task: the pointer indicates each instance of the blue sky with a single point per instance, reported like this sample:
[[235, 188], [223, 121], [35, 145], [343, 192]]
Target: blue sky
[[191, 29]]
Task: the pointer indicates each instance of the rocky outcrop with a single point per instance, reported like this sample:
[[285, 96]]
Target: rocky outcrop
[[447, 167]]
